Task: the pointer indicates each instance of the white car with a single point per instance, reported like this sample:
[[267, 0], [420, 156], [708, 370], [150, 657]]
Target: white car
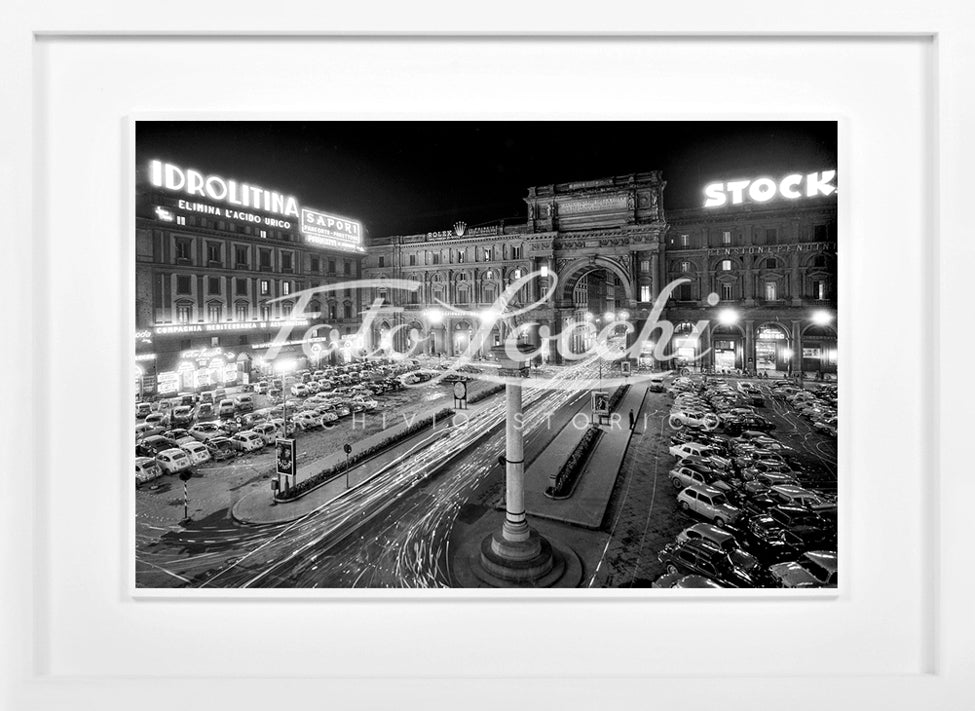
[[307, 420], [692, 418], [247, 441], [694, 449], [299, 390], [197, 451], [267, 432], [206, 430], [708, 502], [815, 569], [173, 461], [227, 406], [147, 430], [146, 469]]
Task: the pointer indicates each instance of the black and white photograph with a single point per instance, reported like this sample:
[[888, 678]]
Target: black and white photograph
[[486, 354]]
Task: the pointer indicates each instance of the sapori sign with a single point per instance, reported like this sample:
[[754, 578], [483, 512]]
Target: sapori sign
[[761, 190], [325, 230]]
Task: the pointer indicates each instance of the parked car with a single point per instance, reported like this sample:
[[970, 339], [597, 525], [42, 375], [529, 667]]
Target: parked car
[[299, 390], [221, 448], [158, 419], [680, 580], [245, 403], [815, 569], [153, 445], [267, 431], [206, 430], [207, 397], [147, 430], [248, 441], [765, 538], [698, 558], [814, 530], [723, 540], [307, 420], [227, 408], [179, 436], [143, 410], [173, 461], [261, 388], [682, 477], [197, 452], [181, 415], [205, 411], [146, 469], [708, 502]]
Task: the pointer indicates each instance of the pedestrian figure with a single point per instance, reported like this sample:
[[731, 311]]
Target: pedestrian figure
[[632, 419]]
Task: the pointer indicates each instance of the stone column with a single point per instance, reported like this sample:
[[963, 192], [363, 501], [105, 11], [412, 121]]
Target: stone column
[[515, 520], [796, 346], [749, 346]]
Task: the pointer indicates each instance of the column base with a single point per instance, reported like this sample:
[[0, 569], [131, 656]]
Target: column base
[[529, 563]]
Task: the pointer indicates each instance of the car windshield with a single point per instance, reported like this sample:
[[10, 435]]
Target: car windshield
[[815, 569], [718, 499]]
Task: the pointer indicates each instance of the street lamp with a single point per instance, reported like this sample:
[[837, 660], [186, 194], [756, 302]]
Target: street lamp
[[434, 316], [728, 317], [821, 317]]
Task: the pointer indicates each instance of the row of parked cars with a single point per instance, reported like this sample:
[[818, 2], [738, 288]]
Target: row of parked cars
[[817, 404], [243, 429], [763, 522]]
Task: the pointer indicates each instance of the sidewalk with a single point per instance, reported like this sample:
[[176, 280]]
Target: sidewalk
[[257, 507], [587, 505]]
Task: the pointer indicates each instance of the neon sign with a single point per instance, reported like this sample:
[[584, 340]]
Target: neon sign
[[760, 190], [325, 230], [213, 187]]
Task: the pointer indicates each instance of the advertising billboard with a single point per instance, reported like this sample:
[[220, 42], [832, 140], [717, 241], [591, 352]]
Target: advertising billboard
[[326, 230]]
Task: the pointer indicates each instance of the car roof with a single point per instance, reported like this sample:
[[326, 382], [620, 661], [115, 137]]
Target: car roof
[[173, 451], [827, 559], [704, 489], [141, 461]]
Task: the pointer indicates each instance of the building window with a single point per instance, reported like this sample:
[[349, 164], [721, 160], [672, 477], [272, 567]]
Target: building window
[[726, 237], [770, 291], [382, 261], [436, 257], [213, 252], [265, 287], [685, 239], [287, 308], [819, 290], [213, 285], [183, 249], [726, 265], [819, 260], [183, 313], [316, 264], [460, 256], [240, 256], [772, 263], [347, 311], [285, 287], [214, 312], [265, 259], [685, 267], [286, 258], [240, 286], [820, 233], [240, 312], [264, 233], [184, 285], [771, 235], [331, 310], [412, 260], [347, 268], [265, 312], [516, 252], [727, 291], [331, 266], [180, 220], [645, 266], [645, 293], [487, 255]]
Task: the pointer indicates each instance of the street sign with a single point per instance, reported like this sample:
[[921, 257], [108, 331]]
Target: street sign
[[286, 456], [347, 448], [460, 390]]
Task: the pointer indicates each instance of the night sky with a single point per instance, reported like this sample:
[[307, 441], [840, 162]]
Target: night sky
[[409, 177]]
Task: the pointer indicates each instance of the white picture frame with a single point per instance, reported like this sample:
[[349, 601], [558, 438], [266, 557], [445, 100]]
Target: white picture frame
[[74, 637]]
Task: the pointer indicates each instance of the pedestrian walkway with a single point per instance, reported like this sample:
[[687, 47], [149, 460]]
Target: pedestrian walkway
[[587, 505], [259, 507]]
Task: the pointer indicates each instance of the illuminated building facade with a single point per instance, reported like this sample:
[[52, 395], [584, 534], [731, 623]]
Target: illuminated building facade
[[758, 259], [217, 279]]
